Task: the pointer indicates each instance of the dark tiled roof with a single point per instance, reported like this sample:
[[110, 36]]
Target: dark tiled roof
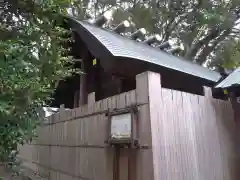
[[120, 46], [230, 80]]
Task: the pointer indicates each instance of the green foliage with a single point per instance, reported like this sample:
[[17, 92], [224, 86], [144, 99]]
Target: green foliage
[[32, 61], [227, 56]]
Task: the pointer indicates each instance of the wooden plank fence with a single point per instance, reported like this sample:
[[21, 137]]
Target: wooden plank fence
[[183, 137]]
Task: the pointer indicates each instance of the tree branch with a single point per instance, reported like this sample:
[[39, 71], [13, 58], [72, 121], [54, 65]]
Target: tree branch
[[192, 51], [208, 49]]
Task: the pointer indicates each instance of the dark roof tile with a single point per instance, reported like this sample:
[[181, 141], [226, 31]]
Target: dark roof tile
[[120, 46]]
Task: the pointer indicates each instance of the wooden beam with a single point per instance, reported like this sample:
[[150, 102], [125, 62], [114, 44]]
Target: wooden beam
[[83, 89], [83, 94], [76, 99]]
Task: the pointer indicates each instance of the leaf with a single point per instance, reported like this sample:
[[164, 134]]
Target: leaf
[[26, 79]]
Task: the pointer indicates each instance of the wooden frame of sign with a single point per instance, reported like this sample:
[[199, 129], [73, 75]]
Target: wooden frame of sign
[[131, 140]]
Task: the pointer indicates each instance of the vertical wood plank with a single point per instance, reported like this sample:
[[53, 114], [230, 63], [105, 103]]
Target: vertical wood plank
[[131, 98], [142, 87], [91, 103], [91, 98], [121, 101], [207, 92]]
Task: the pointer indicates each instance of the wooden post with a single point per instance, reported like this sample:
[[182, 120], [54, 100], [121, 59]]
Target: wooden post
[[148, 90], [83, 80], [116, 156], [76, 99], [236, 107], [142, 88]]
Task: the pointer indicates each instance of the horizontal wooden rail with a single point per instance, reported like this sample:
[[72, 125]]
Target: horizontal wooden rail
[[56, 170]]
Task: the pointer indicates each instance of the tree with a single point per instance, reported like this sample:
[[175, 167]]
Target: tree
[[200, 27], [227, 55], [32, 61]]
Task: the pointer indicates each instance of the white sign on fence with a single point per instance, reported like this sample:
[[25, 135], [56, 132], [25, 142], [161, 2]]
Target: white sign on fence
[[121, 126]]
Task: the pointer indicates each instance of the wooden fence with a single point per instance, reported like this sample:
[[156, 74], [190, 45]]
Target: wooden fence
[[193, 136], [182, 137]]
